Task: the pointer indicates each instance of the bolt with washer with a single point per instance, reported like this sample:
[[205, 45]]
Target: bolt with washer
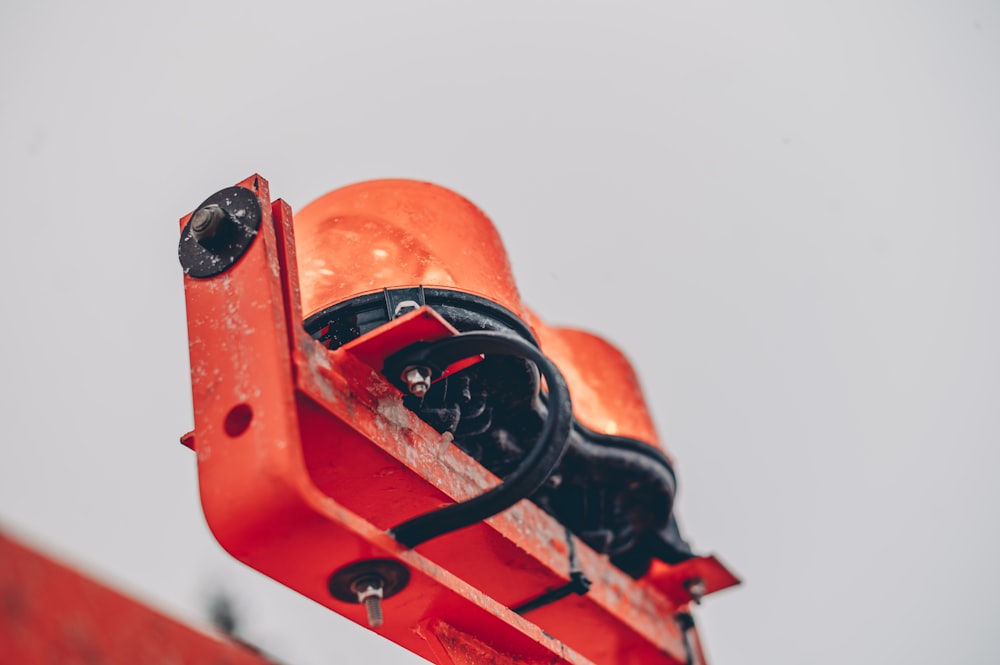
[[208, 222], [369, 590], [369, 583]]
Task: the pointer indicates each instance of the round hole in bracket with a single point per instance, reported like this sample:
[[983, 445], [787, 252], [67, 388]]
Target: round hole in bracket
[[238, 419]]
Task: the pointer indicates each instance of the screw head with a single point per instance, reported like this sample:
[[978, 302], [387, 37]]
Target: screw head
[[417, 379], [207, 222]]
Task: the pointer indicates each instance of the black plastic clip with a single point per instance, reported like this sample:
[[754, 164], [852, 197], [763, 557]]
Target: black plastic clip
[[578, 583], [686, 623], [401, 301]]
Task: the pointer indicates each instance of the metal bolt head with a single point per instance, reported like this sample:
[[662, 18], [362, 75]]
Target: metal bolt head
[[369, 590], [417, 379], [207, 222]]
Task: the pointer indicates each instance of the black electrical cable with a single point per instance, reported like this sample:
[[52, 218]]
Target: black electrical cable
[[533, 470]]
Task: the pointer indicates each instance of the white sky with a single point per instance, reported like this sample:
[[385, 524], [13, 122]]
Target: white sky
[[785, 212]]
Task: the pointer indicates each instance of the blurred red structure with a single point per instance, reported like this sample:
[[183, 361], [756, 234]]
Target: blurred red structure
[[50, 613]]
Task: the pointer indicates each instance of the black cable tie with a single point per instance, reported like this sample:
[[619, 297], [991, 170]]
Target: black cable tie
[[578, 583], [686, 623]]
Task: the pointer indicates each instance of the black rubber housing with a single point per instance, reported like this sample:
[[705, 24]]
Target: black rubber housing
[[343, 322]]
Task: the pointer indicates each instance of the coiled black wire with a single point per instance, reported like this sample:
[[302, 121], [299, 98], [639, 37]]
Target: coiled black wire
[[533, 470]]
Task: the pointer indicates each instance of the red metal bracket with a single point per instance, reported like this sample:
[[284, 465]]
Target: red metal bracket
[[306, 457]]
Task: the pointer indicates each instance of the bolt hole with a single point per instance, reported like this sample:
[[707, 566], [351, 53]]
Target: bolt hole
[[238, 419]]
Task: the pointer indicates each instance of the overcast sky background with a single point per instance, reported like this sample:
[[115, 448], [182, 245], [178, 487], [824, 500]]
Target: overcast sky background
[[786, 213]]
